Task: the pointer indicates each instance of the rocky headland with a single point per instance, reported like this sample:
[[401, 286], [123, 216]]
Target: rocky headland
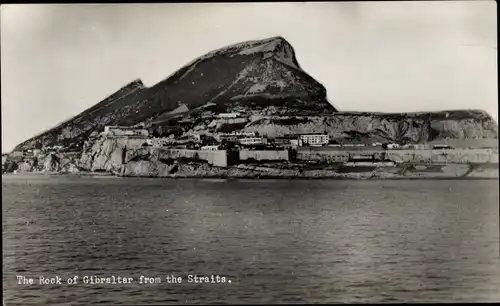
[[261, 80]]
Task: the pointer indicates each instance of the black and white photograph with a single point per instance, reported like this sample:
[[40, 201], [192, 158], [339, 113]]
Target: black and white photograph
[[250, 153]]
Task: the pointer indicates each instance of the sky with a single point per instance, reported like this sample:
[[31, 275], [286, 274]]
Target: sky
[[59, 59]]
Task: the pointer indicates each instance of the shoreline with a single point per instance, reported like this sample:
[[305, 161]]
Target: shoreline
[[295, 178], [305, 178], [262, 171], [357, 177]]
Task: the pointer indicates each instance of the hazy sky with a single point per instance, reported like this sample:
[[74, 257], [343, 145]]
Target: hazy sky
[[58, 60]]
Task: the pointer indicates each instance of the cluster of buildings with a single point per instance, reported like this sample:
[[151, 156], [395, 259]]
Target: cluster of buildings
[[245, 139], [248, 139], [215, 141], [236, 136], [19, 155]]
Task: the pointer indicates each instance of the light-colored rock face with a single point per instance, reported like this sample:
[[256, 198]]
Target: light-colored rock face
[[109, 153], [26, 166], [465, 129], [51, 163]]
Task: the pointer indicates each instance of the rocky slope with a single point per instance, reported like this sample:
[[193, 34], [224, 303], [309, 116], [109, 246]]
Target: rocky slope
[[66, 163], [263, 72], [113, 110], [370, 127]]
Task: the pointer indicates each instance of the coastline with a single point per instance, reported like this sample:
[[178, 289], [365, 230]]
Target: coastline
[[151, 167], [332, 178], [204, 171], [258, 177]]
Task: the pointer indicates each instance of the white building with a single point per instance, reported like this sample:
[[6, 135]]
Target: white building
[[253, 141], [228, 115], [420, 147], [210, 148], [315, 139], [125, 131]]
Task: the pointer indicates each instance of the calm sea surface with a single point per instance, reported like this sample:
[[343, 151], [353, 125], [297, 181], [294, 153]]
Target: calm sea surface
[[277, 241]]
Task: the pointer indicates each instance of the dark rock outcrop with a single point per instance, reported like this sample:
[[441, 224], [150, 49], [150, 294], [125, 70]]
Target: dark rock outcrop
[[9, 166]]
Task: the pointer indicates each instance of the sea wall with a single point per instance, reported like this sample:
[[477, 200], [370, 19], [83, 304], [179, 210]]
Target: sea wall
[[408, 156], [204, 170], [264, 155], [333, 156], [216, 158], [458, 156], [220, 158]]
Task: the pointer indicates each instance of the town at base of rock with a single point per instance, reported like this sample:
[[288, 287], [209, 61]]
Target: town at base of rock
[[135, 151], [250, 110]]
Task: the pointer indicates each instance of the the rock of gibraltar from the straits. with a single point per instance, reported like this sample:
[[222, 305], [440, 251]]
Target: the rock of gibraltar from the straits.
[[263, 81]]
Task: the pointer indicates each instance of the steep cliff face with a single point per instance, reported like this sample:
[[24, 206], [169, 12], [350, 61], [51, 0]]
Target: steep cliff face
[[108, 154], [263, 72], [51, 163], [412, 127]]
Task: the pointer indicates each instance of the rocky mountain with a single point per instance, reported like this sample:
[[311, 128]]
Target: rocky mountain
[[263, 80], [258, 73]]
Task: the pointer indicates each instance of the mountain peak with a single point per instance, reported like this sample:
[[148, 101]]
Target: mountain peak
[[277, 47], [137, 83]]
